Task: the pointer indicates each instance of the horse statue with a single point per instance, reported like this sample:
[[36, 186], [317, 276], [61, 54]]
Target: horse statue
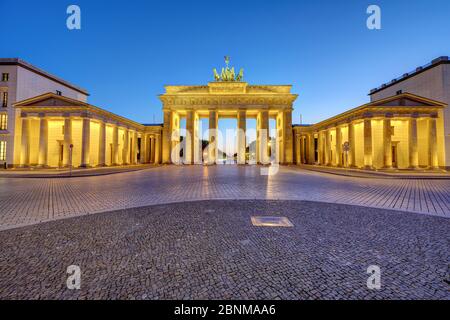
[[216, 75], [240, 76]]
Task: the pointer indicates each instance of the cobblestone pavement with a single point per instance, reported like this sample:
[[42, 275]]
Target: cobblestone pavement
[[28, 201], [210, 250]]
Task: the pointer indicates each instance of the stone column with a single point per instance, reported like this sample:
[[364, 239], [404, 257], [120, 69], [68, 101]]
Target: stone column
[[67, 141], [166, 137], [153, 150], [145, 145], [85, 142], [102, 145], [320, 148], [175, 139], [135, 147], [413, 151], [328, 159], [25, 146], [241, 138], [298, 151], [305, 149], [115, 143], [311, 150], [126, 143], [190, 137], [263, 135], [157, 149], [368, 143], [387, 143], [43, 142], [351, 142], [287, 137], [213, 134], [432, 144], [339, 161]]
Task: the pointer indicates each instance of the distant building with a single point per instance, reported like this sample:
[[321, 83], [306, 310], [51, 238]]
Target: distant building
[[431, 81], [19, 81]]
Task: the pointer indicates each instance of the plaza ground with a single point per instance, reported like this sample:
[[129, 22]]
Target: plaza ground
[[28, 201], [210, 250], [185, 233]]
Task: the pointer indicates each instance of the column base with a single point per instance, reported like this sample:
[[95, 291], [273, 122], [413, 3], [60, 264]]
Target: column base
[[369, 168], [85, 166], [102, 165], [42, 166]]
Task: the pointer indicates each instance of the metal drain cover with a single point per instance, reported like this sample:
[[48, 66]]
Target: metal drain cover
[[264, 221]]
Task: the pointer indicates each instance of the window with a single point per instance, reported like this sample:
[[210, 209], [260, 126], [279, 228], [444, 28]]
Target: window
[[58, 92], [399, 91], [5, 77], [2, 150], [4, 99], [3, 121]]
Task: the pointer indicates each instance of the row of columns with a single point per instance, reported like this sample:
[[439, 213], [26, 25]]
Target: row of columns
[[129, 152], [324, 145], [171, 139]]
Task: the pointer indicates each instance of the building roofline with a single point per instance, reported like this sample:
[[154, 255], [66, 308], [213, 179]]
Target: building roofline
[[436, 62], [30, 67], [378, 104], [76, 103]]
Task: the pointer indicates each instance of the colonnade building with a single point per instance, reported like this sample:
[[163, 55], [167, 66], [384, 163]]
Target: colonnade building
[[47, 122]]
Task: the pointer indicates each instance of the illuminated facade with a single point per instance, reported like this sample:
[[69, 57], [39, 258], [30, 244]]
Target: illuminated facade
[[19, 81], [431, 81], [57, 131], [229, 99], [52, 129], [404, 131]]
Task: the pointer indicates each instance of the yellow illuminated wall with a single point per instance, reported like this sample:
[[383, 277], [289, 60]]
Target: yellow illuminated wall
[[377, 144], [422, 142], [109, 141], [34, 141], [400, 139], [77, 131], [55, 136], [359, 144], [333, 147], [441, 138], [121, 142], [94, 143], [344, 138]]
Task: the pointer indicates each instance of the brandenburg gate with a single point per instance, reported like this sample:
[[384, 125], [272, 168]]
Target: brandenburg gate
[[228, 97]]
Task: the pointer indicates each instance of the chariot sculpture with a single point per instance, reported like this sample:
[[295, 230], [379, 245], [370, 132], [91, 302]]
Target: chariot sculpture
[[228, 74]]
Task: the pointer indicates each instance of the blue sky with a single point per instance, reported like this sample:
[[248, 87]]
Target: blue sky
[[127, 51]]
